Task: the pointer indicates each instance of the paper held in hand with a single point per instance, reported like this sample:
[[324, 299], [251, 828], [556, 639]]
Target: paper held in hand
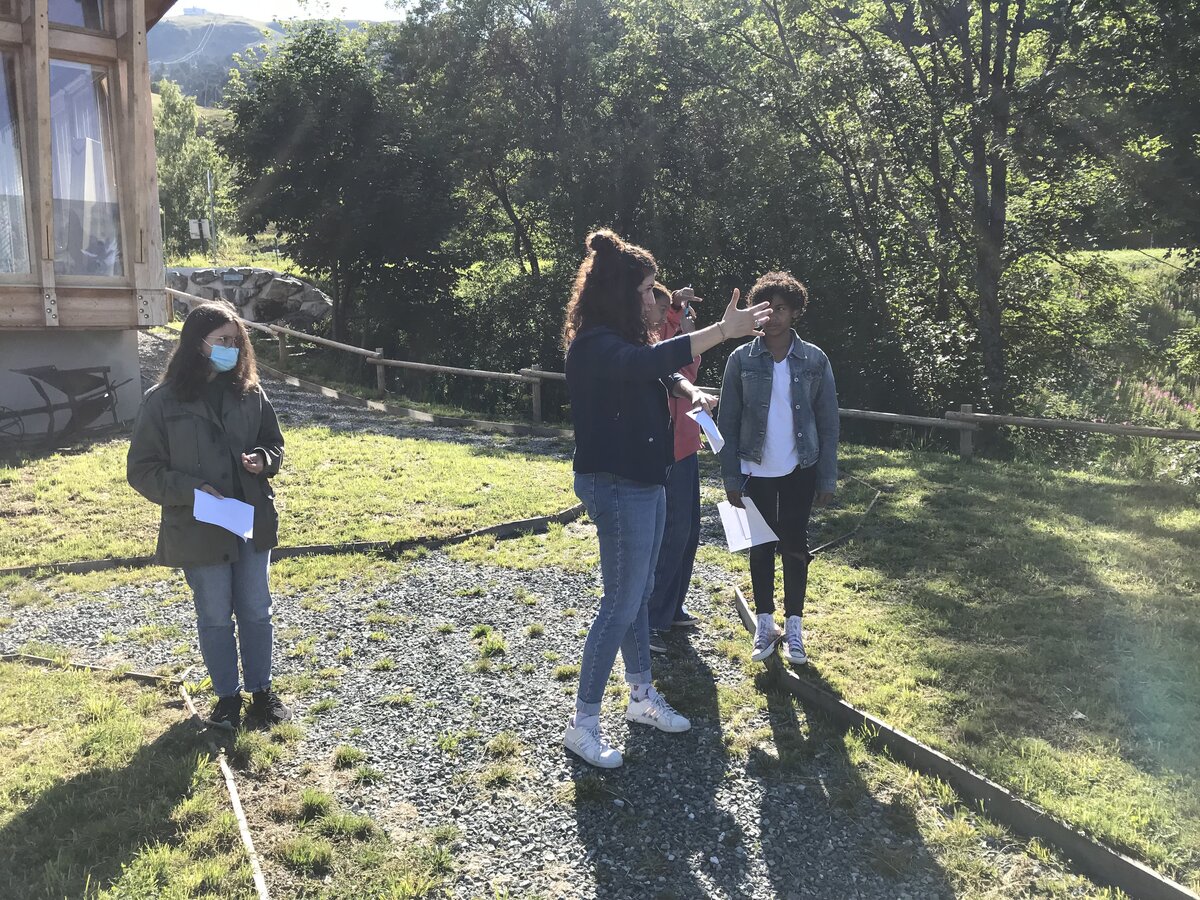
[[228, 513], [744, 528], [705, 420]]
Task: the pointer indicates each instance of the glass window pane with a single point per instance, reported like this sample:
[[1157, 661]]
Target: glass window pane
[[87, 219], [80, 13], [14, 240], [8, 9]]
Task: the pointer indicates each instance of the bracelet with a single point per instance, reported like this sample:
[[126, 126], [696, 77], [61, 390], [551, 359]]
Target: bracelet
[[721, 328]]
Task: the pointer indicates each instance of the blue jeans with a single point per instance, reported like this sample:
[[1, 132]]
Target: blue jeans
[[629, 522], [681, 537], [222, 592]]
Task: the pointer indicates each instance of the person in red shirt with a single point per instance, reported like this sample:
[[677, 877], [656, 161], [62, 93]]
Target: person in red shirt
[[681, 534]]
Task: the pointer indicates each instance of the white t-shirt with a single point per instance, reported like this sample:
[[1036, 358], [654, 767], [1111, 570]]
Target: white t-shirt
[[779, 454]]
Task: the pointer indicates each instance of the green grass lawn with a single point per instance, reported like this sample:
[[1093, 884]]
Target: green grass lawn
[[334, 487], [107, 792], [1041, 626]]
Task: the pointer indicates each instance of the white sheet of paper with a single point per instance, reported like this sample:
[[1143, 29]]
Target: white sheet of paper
[[705, 420], [230, 514], [744, 528]]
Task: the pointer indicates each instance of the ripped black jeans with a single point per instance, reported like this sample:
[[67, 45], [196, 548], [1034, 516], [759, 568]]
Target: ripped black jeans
[[786, 504]]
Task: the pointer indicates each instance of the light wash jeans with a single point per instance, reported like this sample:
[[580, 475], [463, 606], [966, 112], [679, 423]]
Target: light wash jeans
[[222, 592], [681, 537], [629, 517]]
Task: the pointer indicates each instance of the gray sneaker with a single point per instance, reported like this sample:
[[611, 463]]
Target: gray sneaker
[[793, 644], [766, 637]]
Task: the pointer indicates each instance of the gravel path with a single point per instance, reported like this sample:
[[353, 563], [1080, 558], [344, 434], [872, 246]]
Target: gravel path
[[390, 665]]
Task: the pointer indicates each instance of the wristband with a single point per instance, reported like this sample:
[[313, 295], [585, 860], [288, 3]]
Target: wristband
[[721, 328]]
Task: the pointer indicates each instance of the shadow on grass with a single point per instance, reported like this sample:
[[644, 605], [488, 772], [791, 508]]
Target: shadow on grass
[[75, 837], [812, 771], [1045, 623], [635, 820], [653, 831]]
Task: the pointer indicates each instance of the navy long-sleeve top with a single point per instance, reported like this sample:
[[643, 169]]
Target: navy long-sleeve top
[[619, 403]]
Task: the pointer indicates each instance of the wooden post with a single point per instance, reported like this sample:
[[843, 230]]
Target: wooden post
[[535, 390], [381, 376], [282, 348], [966, 439]]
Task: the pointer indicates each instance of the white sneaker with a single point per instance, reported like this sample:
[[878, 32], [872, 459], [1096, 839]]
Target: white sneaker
[[793, 644], [590, 745], [656, 711], [766, 637]]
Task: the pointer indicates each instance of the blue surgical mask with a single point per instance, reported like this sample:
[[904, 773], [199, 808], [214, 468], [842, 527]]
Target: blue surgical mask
[[223, 358]]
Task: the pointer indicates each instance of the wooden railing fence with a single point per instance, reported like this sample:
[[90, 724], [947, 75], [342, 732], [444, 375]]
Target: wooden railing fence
[[964, 420]]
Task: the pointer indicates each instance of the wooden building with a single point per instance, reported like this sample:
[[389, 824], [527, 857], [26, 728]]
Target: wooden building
[[81, 265]]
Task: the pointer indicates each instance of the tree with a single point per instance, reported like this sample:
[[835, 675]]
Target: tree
[[184, 159], [342, 168]]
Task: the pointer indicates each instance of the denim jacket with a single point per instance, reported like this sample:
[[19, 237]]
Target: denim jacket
[[746, 398]]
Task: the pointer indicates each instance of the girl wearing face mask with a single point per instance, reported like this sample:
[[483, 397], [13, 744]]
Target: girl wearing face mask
[[208, 426]]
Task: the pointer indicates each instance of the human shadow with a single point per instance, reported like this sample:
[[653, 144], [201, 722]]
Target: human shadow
[[76, 836], [651, 827], [819, 815]]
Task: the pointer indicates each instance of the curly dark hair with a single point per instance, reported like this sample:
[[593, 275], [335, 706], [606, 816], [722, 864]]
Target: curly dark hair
[[188, 368], [781, 285], [605, 291]]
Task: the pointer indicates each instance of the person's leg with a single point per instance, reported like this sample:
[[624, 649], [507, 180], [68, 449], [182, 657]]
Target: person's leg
[[680, 614], [676, 528], [765, 494], [646, 705], [796, 493], [635, 646], [252, 607], [212, 593], [627, 516]]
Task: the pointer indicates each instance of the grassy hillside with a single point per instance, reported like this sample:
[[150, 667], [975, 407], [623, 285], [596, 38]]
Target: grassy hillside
[[206, 38]]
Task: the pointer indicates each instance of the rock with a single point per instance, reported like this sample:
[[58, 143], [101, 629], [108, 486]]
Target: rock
[[260, 295]]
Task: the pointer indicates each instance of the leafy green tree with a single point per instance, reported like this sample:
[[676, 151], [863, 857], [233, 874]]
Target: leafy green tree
[[339, 164], [184, 159]]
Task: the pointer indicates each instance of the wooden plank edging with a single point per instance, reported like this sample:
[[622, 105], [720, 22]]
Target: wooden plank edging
[[535, 525], [1094, 859], [235, 800]]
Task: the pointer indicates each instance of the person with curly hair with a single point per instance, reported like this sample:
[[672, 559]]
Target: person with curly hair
[[779, 417], [619, 379]]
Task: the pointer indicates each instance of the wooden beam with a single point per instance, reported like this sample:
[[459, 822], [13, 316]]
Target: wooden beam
[[36, 52], [81, 43], [21, 308]]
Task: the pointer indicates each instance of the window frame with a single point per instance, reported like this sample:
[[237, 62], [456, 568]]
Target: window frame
[[115, 133], [107, 16], [30, 276]]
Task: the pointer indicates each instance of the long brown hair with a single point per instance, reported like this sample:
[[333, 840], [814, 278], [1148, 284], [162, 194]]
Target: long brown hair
[[189, 368], [605, 291]]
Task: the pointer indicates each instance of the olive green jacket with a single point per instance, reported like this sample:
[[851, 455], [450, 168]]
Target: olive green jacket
[[178, 445]]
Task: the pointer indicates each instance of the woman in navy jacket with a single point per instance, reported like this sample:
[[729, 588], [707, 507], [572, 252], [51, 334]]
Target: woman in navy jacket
[[618, 381]]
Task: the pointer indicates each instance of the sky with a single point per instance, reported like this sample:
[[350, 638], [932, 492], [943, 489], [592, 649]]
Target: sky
[[265, 10]]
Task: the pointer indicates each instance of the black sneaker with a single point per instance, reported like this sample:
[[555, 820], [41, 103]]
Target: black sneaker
[[685, 620], [267, 708], [657, 644], [227, 713]]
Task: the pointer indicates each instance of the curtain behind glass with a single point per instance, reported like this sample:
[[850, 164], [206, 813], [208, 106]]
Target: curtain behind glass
[[80, 13], [14, 240], [87, 220]]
